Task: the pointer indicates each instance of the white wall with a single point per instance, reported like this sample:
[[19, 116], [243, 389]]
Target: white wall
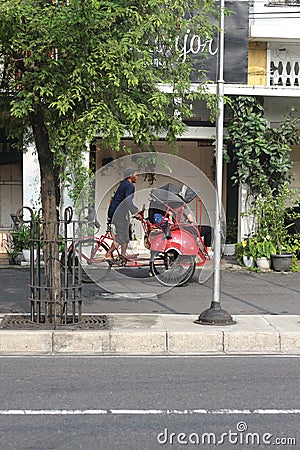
[[274, 22]]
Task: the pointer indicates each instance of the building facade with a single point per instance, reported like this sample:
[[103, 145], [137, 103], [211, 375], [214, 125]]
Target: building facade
[[262, 58]]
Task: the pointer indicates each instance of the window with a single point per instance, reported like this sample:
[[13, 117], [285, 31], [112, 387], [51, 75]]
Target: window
[[284, 65]]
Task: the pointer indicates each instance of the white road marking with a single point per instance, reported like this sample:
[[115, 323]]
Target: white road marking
[[52, 412], [166, 357], [122, 412]]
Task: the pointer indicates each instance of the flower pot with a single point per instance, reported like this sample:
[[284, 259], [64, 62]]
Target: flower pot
[[248, 261], [229, 249], [282, 263], [263, 263], [26, 255]]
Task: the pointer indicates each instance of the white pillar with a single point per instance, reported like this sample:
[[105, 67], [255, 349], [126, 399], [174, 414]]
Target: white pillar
[[247, 222], [31, 179]]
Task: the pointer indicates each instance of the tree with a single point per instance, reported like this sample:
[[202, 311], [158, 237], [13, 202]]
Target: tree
[[74, 67], [261, 153]]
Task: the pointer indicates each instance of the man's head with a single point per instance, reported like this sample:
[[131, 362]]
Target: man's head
[[130, 174]]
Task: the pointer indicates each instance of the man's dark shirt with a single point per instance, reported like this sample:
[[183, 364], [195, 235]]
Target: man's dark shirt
[[122, 201]]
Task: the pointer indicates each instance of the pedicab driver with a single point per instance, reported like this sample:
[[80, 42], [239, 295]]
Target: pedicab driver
[[119, 211]]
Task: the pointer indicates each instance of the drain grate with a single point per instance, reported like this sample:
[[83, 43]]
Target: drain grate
[[24, 322]]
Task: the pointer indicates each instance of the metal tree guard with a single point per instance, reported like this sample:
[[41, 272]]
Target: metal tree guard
[[45, 305]]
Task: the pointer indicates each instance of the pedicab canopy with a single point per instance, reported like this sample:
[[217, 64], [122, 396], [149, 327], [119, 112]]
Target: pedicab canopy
[[169, 195], [177, 239], [172, 194]]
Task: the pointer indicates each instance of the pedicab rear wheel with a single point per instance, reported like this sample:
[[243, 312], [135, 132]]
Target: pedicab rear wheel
[[171, 268]]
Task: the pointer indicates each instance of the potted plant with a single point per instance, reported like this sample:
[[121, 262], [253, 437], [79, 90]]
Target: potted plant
[[294, 247], [255, 250], [261, 250], [21, 240], [242, 253], [271, 212]]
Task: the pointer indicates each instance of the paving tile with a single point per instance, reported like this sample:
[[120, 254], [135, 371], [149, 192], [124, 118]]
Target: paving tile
[[186, 337]]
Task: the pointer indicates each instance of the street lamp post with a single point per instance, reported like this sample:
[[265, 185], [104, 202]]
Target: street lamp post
[[215, 315]]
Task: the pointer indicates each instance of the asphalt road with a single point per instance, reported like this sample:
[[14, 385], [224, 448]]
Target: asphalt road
[[108, 403], [242, 292]]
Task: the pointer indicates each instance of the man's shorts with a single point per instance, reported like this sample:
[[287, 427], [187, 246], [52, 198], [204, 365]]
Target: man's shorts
[[122, 231]]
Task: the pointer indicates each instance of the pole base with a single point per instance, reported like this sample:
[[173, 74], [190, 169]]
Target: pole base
[[215, 316]]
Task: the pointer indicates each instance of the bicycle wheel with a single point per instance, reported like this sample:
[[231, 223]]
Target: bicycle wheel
[[92, 258], [172, 269]]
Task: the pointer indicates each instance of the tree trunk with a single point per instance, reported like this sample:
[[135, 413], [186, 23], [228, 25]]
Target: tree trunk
[[50, 201]]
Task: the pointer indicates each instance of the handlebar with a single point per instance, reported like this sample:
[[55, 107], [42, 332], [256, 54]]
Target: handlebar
[[141, 212]]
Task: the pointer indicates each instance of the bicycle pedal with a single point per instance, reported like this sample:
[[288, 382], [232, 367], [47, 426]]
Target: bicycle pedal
[[118, 261], [123, 260]]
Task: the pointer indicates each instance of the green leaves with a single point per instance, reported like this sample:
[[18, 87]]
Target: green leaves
[[262, 154], [71, 56], [93, 67]]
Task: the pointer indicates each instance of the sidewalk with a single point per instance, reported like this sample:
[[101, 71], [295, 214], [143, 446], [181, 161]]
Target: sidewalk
[[149, 334], [266, 307]]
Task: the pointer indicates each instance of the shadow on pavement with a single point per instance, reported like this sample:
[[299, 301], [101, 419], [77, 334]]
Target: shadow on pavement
[[241, 292]]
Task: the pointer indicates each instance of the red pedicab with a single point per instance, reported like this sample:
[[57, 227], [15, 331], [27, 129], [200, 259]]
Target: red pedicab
[[176, 246]]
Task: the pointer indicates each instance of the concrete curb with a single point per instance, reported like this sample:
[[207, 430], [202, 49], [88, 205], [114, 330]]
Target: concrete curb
[[153, 334]]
